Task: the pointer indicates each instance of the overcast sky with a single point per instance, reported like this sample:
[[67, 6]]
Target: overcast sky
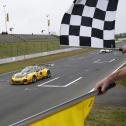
[[29, 16]]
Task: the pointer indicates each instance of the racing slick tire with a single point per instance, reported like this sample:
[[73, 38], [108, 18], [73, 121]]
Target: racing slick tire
[[48, 74], [34, 79]]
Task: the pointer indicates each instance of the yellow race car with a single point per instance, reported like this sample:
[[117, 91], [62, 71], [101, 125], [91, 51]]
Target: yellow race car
[[31, 74]]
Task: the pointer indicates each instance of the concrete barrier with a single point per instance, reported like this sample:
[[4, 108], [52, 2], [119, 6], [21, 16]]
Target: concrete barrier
[[24, 57]]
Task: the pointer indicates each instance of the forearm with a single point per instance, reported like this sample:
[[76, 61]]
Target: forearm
[[118, 75]]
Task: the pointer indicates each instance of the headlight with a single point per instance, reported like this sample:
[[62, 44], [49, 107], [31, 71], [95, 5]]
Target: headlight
[[26, 76]]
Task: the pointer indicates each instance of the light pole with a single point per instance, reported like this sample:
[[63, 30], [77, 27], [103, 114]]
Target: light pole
[[4, 6], [48, 22]]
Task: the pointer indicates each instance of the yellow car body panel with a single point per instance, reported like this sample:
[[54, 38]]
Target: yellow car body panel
[[19, 78]]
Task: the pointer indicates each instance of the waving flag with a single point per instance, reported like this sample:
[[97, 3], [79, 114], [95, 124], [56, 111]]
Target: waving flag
[[73, 112], [72, 116], [89, 23]]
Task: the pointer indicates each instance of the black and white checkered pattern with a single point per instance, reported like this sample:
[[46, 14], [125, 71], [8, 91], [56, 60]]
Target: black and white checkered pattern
[[89, 23]]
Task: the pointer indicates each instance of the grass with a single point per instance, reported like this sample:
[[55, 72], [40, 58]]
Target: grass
[[122, 82], [21, 64], [107, 116], [10, 49]]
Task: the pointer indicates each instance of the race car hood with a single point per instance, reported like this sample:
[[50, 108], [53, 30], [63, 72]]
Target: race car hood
[[20, 75]]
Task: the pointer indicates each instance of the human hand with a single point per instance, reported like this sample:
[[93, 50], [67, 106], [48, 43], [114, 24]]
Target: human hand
[[103, 86], [123, 49]]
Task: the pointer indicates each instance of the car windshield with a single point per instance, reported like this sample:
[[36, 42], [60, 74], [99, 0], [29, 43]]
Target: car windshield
[[28, 69]]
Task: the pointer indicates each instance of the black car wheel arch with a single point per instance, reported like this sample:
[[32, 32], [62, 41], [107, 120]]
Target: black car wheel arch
[[34, 79]]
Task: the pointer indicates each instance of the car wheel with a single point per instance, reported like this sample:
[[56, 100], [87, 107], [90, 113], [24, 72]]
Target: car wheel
[[34, 79], [48, 74]]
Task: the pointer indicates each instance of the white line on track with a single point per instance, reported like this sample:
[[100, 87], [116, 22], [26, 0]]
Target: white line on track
[[96, 61], [99, 61], [48, 81], [53, 86], [112, 60], [63, 86], [73, 82]]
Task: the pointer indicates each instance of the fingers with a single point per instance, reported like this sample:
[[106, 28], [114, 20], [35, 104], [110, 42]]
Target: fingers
[[104, 87], [100, 87], [122, 49]]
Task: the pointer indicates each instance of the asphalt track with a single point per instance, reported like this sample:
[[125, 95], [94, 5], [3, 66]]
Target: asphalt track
[[71, 77]]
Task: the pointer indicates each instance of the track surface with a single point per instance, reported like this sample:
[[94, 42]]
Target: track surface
[[71, 78]]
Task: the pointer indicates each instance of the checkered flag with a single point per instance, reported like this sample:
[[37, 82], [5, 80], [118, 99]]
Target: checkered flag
[[89, 23]]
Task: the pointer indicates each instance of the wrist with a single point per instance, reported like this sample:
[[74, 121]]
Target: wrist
[[111, 78]]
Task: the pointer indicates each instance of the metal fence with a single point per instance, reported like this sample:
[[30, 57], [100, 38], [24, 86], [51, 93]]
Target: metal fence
[[17, 45]]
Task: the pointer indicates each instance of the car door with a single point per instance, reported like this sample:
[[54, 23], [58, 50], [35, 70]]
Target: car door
[[39, 73]]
